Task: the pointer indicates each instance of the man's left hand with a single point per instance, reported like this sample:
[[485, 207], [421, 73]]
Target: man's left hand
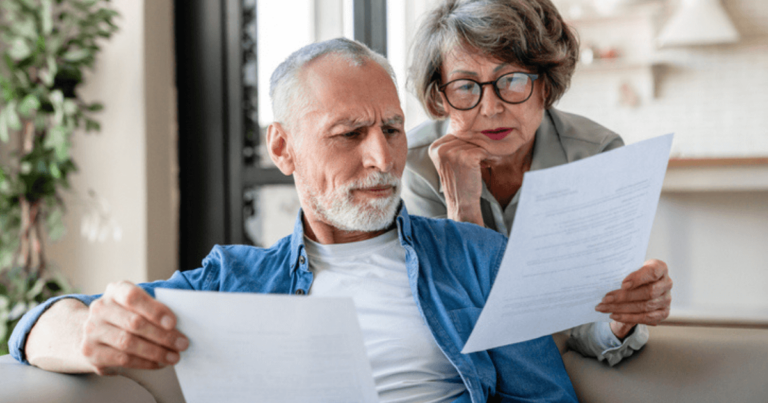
[[644, 298]]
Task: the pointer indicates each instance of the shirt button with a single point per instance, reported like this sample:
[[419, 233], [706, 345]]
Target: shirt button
[[301, 259], [299, 292]]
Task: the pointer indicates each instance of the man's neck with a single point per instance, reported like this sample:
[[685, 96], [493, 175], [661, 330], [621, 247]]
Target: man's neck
[[326, 234]]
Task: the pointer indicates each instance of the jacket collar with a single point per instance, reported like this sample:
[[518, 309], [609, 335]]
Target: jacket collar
[[298, 250]]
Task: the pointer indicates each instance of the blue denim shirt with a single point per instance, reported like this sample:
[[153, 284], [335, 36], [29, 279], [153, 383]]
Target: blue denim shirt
[[451, 268]]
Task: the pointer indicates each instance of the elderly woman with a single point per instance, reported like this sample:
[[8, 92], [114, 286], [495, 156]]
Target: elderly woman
[[488, 72]]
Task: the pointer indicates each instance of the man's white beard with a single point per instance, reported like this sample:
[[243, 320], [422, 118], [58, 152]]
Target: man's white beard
[[339, 210]]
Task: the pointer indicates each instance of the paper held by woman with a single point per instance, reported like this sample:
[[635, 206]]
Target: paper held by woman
[[579, 230]]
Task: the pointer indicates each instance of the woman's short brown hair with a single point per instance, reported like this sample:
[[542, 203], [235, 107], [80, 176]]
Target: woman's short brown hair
[[530, 33]]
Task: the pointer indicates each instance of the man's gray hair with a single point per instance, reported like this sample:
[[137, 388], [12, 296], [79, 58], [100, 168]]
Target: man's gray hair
[[288, 97]]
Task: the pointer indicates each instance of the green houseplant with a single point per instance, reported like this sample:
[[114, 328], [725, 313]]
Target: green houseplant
[[45, 46]]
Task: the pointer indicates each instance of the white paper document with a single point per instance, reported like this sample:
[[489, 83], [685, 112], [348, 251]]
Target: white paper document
[[579, 230], [269, 348]]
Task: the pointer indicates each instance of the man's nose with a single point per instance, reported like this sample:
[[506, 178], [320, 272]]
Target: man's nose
[[490, 104], [377, 151]]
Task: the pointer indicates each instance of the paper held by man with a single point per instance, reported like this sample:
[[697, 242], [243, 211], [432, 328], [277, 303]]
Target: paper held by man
[[270, 348], [579, 230]]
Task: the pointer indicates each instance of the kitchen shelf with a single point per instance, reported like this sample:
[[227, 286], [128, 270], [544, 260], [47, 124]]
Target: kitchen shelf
[[716, 175]]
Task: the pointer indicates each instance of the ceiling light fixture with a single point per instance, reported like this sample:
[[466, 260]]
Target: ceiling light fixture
[[698, 22]]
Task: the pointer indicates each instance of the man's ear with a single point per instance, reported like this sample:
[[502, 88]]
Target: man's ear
[[279, 150]]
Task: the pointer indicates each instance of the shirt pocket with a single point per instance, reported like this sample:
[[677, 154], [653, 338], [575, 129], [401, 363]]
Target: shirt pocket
[[464, 320]]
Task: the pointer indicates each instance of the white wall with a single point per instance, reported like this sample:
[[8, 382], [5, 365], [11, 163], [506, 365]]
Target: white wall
[[131, 164], [715, 246], [712, 97]]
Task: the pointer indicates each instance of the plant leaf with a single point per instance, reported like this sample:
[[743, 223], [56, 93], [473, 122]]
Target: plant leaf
[[95, 107], [35, 290], [14, 123], [76, 55], [19, 49], [46, 17], [70, 107], [3, 127], [29, 104]]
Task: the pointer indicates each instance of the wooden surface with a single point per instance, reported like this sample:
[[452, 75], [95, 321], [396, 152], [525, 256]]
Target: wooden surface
[[711, 162]]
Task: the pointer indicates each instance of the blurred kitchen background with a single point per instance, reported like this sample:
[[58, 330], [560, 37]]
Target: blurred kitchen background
[[179, 165]]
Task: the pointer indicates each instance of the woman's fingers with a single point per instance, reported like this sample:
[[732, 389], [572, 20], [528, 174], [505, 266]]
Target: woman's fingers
[[649, 318], [638, 306], [652, 271], [458, 163], [644, 296]]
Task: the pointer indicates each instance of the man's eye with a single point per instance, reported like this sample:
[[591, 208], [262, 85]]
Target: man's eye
[[350, 134], [391, 131]]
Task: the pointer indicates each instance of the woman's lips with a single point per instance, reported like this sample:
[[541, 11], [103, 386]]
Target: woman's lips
[[497, 134]]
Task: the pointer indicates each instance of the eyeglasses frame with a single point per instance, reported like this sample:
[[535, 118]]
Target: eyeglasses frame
[[531, 76]]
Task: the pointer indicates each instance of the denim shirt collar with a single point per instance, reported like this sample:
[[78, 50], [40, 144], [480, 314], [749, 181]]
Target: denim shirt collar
[[298, 250]]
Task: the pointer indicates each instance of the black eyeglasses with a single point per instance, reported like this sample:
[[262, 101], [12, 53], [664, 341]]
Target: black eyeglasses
[[513, 88]]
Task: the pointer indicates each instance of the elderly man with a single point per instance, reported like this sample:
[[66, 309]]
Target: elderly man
[[418, 284]]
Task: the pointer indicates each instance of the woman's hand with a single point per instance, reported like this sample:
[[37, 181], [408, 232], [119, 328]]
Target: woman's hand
[[644, 298], [458, 163]]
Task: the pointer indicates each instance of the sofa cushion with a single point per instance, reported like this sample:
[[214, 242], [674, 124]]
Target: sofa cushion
[[21, 383], [680, 364]]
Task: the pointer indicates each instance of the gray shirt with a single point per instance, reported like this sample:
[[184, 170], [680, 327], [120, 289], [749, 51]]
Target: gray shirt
[[561, 138]]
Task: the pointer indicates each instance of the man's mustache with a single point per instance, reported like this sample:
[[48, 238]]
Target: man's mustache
[[375, 179]]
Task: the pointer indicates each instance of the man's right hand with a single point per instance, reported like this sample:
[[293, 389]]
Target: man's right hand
[[128, 328]]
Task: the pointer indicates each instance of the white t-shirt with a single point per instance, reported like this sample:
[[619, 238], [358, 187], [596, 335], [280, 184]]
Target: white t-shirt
[[407, 364]]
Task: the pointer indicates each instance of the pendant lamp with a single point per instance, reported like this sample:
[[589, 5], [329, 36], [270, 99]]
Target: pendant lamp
[[698, 22]]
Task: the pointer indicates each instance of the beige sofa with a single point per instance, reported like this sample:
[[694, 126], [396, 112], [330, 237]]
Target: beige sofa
[[679, 364]]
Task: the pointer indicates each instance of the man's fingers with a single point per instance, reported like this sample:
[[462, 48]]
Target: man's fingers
[[129, 343], [106, 359], [137, 300], [652, 270], [115, 315]]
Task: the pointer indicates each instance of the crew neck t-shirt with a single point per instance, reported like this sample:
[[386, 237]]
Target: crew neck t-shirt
[[406, 363]]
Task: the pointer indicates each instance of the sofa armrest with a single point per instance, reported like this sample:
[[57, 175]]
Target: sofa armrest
[[680, 364], [26, 384]]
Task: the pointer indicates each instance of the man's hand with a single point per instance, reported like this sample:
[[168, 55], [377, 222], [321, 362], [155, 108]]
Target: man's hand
[[128, 328], [458, 163], [644, 298]]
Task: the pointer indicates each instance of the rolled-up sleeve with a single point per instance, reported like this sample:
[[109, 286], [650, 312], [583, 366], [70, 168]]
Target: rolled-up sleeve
[[597, 340]]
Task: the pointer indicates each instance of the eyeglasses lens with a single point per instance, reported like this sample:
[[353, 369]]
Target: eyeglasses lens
[[466, 94]]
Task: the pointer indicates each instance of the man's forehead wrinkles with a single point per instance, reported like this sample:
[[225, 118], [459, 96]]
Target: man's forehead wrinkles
[[394, 120], [362, 121], [352, 122]]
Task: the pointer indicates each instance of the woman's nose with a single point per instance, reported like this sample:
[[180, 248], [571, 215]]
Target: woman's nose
[[490, 104]]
